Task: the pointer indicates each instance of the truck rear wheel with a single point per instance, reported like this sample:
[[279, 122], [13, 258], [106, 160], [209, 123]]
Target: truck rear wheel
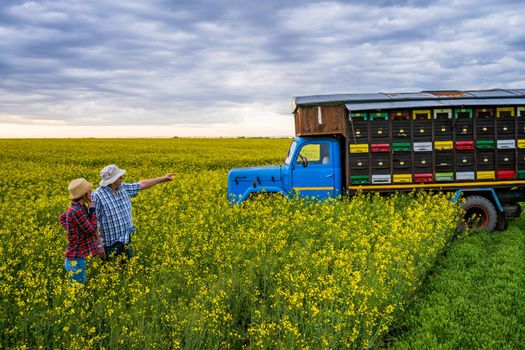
[[479, 213]]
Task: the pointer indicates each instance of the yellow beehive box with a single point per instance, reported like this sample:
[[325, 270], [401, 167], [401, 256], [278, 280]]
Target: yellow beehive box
[[486, 175], [440, 145], [421, 114], [402, 177], [359, 148], [505, 111], [521, 143]]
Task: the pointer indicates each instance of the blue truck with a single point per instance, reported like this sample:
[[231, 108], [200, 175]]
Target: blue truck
[[471, 143]]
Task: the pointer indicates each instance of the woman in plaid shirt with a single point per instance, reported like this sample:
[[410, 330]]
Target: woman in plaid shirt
[[80, 222]]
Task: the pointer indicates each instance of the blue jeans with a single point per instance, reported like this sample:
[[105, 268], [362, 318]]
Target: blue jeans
[[77, 272], [117, 249]]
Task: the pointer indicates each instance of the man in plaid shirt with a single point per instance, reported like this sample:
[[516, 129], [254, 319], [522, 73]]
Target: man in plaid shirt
[[112, 202]]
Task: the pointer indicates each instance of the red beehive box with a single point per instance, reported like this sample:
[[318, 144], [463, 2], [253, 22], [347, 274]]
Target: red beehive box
[[464, 145], [506, 174], [423, 178], [380, 147], [400, 115]]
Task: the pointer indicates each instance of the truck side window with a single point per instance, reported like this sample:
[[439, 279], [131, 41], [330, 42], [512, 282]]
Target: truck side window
[[325, 154], [315, 153]]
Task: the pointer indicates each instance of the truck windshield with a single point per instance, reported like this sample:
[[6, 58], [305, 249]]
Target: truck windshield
[[290, 153]]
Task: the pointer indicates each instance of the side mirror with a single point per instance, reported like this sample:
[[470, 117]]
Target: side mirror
[[304, 161]]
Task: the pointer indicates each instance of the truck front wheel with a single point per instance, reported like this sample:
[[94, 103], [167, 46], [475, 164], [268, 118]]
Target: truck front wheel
[[479, 213]]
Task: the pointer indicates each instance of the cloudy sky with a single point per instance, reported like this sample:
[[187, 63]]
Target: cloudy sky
[[77, 68]]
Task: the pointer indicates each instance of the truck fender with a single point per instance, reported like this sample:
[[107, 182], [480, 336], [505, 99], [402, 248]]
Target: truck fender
[[488, 193]]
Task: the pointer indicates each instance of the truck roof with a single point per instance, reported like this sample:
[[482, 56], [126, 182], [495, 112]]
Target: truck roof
[[439, 99]]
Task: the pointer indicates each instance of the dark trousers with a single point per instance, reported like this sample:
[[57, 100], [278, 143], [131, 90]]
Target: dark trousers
[[118, 249]]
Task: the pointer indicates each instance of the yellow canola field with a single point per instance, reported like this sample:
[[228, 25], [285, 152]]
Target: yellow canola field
[[270, 274]]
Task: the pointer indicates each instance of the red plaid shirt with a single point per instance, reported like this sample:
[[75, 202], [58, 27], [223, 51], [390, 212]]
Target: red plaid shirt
[[81, 227]]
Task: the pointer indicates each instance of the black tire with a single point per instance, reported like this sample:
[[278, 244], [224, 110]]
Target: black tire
[[503, 222], [479, 213], [512, 210]]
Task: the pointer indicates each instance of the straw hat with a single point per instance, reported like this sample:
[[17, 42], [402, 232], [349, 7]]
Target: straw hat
[[110, 174], [79, 187]]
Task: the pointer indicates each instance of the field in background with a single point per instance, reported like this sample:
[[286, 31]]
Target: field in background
[[270, 274]]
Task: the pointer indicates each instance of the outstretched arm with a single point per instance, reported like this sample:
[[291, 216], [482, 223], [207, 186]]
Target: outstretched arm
[[144, 184]]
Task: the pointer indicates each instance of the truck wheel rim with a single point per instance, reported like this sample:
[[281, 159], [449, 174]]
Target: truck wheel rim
[[476, 217]]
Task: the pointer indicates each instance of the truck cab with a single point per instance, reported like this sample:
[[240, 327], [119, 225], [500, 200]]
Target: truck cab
[[312, 168]]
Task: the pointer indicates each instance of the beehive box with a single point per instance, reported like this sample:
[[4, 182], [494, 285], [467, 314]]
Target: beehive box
[[481, 143]]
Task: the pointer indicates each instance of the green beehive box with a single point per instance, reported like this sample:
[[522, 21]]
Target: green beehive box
[[521, 174], [444, 176], [359, 179], [378, 115], [401, 147], [359, 115], [485, 144], [462, 111]]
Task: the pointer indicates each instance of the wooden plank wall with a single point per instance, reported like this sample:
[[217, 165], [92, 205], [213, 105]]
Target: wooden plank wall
[[334, 121]]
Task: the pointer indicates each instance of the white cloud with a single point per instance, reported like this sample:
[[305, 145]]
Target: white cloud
[[211, 68]]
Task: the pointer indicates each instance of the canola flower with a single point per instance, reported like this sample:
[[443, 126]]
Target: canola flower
[[272, 273]]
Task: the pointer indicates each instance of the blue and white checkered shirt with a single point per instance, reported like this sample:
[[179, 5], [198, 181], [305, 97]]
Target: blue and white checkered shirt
[[115, 221]]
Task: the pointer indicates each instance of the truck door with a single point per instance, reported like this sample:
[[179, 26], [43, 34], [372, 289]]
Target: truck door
[[314, 170]]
